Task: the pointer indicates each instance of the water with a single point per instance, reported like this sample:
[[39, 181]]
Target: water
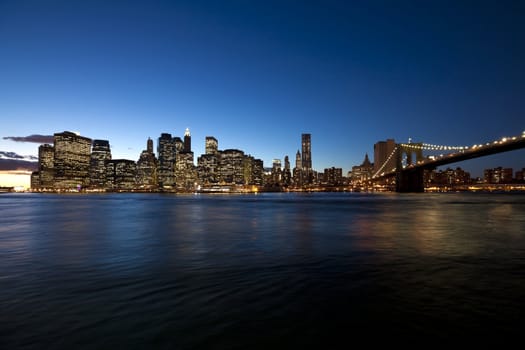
[[259, 271]]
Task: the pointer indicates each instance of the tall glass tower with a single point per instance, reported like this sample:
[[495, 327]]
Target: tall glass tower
[[307, 157]]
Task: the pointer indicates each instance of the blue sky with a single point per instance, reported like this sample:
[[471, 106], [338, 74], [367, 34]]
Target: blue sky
[[257, 74]]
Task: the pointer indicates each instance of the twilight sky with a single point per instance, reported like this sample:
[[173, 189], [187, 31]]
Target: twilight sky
[[257, 74]]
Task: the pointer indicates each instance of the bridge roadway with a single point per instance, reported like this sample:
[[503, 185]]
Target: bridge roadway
[[410, 178]]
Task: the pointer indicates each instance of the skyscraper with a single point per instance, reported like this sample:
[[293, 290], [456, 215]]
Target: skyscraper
[[147, 168], [382, 151], [298, 170], [231, 166], [100, 154], [212, 145], [287, 173], [298, 160], [276, 171], [306, 143], [178, 145], [209, 163], [166, 167], [149, 146], [72, 160], [187, 141], [46, 155], [121, 174]]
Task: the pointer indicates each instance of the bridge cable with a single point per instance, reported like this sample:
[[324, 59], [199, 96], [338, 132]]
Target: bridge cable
[[386, 161]]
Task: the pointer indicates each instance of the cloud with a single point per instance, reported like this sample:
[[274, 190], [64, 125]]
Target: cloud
[[11, 164], [31, 138]]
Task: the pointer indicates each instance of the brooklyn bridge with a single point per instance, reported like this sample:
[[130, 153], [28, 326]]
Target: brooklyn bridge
[[410, 163]]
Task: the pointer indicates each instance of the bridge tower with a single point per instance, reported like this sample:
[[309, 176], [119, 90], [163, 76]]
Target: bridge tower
[[407, 179]]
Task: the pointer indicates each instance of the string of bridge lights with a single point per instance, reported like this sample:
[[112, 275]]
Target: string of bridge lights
[[386, 162], [431, 147]]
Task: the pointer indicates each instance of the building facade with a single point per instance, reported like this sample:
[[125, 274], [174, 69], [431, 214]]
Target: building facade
[[231, 167], [363, 172], [46, 167], [100, 155], [72, 159], [185, 174], [166, 161], [121, 174], [333, 176], [498, 175], [306, 160], [384, 159], [212, 145], [147, 168]]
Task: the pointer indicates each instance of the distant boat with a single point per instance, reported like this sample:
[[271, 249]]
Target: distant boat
[[6, 189]]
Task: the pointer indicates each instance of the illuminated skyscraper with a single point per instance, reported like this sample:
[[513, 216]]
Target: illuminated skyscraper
[[185, 174], [121, 174], [166, 167], [333, 176], [231, 166], [287, 173], [298, 160], [212, 145], [147, 168], [306, 143], [187, 141], [100, 154], [257, 172], [298, 170], [46, 172], [276, 171], [208, 163], [208, 168], [72, 160]]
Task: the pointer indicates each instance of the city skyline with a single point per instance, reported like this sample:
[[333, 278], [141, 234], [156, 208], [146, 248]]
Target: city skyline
[[257, 75], [76, 163]]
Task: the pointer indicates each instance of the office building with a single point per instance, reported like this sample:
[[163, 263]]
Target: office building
[[212, 145], [231, 167], [147, 168], [72, 160], [498, 175], [363, 172], [257, 172], [46, 171], [100, 154], [276, 171], [178, 145], [298, 170], [166, 161], [287, 173], [121, 174], [185, 174], [208, 168], [384, 159], [306, 161]]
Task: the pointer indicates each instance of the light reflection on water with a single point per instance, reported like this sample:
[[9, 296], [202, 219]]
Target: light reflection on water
[[258, 271]]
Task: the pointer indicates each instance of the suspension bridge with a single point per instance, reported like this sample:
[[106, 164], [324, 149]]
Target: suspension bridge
[[409, 172]]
